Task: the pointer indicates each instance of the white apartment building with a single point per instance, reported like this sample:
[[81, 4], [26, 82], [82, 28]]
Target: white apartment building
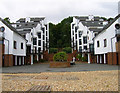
[[83, 30], [12, 45], [36, 32], [107, 43]]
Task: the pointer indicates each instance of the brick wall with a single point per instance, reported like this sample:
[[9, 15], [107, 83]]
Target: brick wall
[[0, 55], [49, 57], [118, 46], [8, 60], [112, 58]]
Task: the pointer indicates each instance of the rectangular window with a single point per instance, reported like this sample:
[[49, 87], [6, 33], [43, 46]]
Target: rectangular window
[[43, 45], [43, 30], [73, 32], [34, 41], [46, 27], [80, 33], [76, 28], [46, 39], [39, 50], [21, 45], [43, 37], [76, 36], [80, 43], [85, 47], [39, 43], [98, 44], [105, 43], [91, 47], [73, 26], [46, 33], [39, 35], [80, 49], [15, 45], [85, 40]]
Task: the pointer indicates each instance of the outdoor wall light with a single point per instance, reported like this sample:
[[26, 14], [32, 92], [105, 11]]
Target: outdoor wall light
[[2, 29], [117, 26]]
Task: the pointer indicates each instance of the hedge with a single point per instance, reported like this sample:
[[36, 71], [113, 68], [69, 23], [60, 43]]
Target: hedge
[[53, 50], [67, 49]]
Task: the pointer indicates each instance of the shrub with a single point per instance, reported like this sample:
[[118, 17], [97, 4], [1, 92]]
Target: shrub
[[84, 59], [53, 50], [35, 61], [67, 49], [42, 60], [79, 56], [61, 56]]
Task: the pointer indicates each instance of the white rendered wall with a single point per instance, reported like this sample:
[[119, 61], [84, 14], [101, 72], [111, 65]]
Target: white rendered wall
[[18, 51], [9, 36], [108, 34]]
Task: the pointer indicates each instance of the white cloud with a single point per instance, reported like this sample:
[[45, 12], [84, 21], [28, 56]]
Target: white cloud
[[56, 10]]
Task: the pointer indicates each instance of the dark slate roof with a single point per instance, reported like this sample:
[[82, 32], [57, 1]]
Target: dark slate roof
[[23, 32], [26, 25], [10, 27], [95, 29], [92, 23], [32, 19], [83, 18], [109, 24]]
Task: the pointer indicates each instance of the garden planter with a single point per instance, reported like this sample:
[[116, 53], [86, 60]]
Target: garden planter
[[59, 64]]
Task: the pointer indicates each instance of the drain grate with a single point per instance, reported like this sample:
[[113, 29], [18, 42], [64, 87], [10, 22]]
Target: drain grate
[[41, 88]]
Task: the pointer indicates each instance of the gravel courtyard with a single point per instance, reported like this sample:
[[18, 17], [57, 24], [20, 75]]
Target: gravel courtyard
[[80, 77], [63, 81]]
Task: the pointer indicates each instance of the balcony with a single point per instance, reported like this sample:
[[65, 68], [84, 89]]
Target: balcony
[[89, 50], [34, 52]]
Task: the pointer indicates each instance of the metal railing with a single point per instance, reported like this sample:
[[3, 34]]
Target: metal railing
[[89, 50], [34, 52]]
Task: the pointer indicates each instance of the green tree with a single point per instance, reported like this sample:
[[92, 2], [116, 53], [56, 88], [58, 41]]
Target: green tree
[[60, 33]]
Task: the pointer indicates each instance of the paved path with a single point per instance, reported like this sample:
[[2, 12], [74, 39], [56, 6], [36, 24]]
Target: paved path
[[37, 68]]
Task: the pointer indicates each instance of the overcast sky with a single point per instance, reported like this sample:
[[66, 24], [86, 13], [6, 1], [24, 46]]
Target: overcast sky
[[56, 10]]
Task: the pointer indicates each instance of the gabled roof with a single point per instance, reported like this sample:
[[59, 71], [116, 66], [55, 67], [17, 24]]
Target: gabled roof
[[95, 29], [32, 19], [26, 25], [10, 27], [83, 18], [92, 23], [109, 24]]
